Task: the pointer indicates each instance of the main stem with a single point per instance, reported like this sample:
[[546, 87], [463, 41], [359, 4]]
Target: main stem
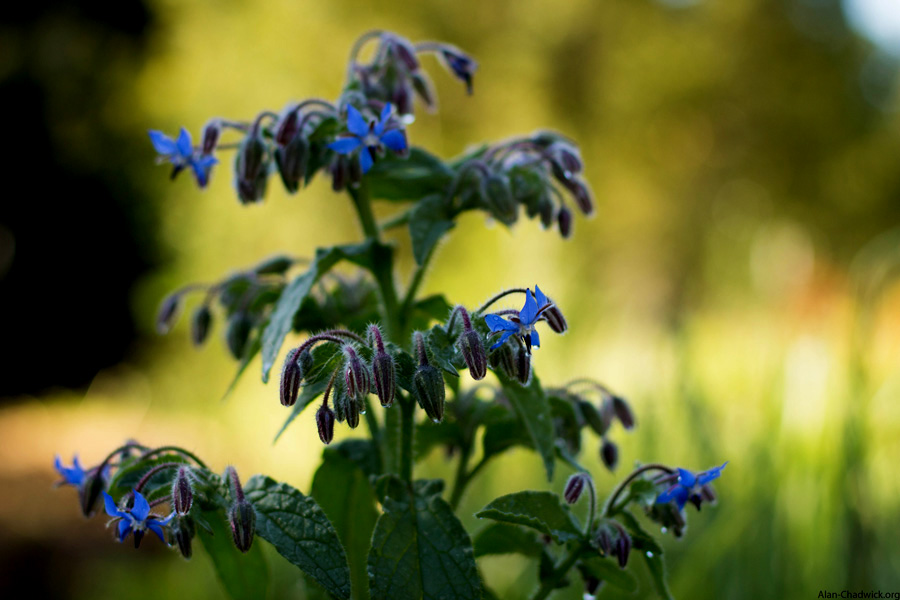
[[407, 408]]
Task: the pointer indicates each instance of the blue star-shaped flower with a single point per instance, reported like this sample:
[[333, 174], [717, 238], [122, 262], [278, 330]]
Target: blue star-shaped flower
[[369, 137], [73, 475], [688, 485], [181, 154], [137, 520], [521, 325]]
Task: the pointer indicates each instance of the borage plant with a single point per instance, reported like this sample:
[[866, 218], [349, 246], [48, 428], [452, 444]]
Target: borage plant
[[368, 527]]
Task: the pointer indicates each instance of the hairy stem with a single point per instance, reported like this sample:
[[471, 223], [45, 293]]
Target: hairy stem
[[407, 408], [181, 451]]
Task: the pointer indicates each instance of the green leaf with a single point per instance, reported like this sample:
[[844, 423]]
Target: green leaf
[[539, 510], [435, 307], [251, 349], [500, 435], [294, 294], [502, 538], [533, 411], [428, 222], [606, 570], [411, 178], [301, 532], [342, 490], [650, 551], [421, 550], [443, 349], [244, 576]]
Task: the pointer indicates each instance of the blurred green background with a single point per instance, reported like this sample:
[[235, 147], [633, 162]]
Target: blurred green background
[[737, 283]]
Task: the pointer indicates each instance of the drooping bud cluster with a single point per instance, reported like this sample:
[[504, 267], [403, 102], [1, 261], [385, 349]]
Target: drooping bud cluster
[[251, 167], [536, 173], [428, 383], [612, 539]]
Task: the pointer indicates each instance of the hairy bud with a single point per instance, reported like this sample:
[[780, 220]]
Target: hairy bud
[[604, 538], [555, 319], [401, 97], [211, 132], [351, 411], [91, 487], [472, 349], [200, 322], [581, 194], [594, 417], [288, 126], [609, 454], [523, 366], [291, 160], [547, 211], [422, 86], [356, 376], [575, 487], [429, 387], [340, 173], [622, 546], [504, 359], [623, 412], [182, 493], [566, 156], [182, 531], [325, 424], [461, 64], [564, 222], [168, 313], [383, 369], [291, 376], [405, 52], [499, 199], [242, 519], [274, 265], [251, 168], [305, 361], [238, 333]]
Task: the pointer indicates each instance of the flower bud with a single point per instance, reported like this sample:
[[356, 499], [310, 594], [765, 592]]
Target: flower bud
[[623, 545], [354, 169], [566, 156], [211, 133], [291, 160], [351, 411], [242, 519], [325, 424], [623, 412], [168, 313], [274, 265], [200, 322], [429, 388], [555, 319], [251, 168], [604, 539], [238, 332], [574, 487], [356, 376], [593, 417], [564, 221], [405, 52], [591, 585], [708, 493], [182, 494], [340, 173], [462, 65], [383, 369], [499, 199], [288, 126], [422, 86], [523, 366], [581, 194], [182, 530], [547, 211], [472, 349], [291, 377], [401, 97], [305, 362], [503, 358], [609, 454], [91, 487]]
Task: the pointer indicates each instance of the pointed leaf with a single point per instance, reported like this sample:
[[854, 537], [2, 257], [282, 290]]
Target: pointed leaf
[[244, 576], [539, 510], [502, 538], [410, 178], [533, 410], [428, 222]]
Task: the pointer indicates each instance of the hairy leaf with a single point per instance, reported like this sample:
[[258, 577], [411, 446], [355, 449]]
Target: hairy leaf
[[539, 510], [533, 410], [502, 538], [244, 576], [411, 178], [428, 222]]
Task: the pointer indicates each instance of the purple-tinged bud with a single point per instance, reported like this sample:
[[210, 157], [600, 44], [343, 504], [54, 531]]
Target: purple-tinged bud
[[325, 424], [405, 52], [461, 64], [383, 369], [305, 361], [291, 160], [340, 173], [200, 322], [472, 349], [239, 327], [182, 493], [422, 86], [523, 366], [547, 211], [351, 411], [91, 487], [242, 519], [555, 319], [567, 156], [168, 313], [708, 493], [354, 169], [604, 538], [581, 194], [591, 585], [564, 222], [274, 265], [251, 168], [593, 417], [575, 487], [623, 412], [211, 133], [504, 359], [428, 384], [499, 199], [356, 376], [288, 126], [401, 97], [609, 454], [182, 531], [623, 545]]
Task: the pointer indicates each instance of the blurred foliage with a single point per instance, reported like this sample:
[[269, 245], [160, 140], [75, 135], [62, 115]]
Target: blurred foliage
[[736, 284]]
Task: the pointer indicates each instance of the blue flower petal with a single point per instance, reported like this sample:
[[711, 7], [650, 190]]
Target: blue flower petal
[[528, 314], [681, 496], [124, 529], [111, 509], [141, 508], [502, 339], [395, 140], [365, 160], [184, 144], [498, 323], [686, 478], [667, 496], [162, 143], [535, 339], [709, 475], [355, 122], [200, 174], [383, 119], [166, 520], [345, 145], [155, 528], [539, 296]]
